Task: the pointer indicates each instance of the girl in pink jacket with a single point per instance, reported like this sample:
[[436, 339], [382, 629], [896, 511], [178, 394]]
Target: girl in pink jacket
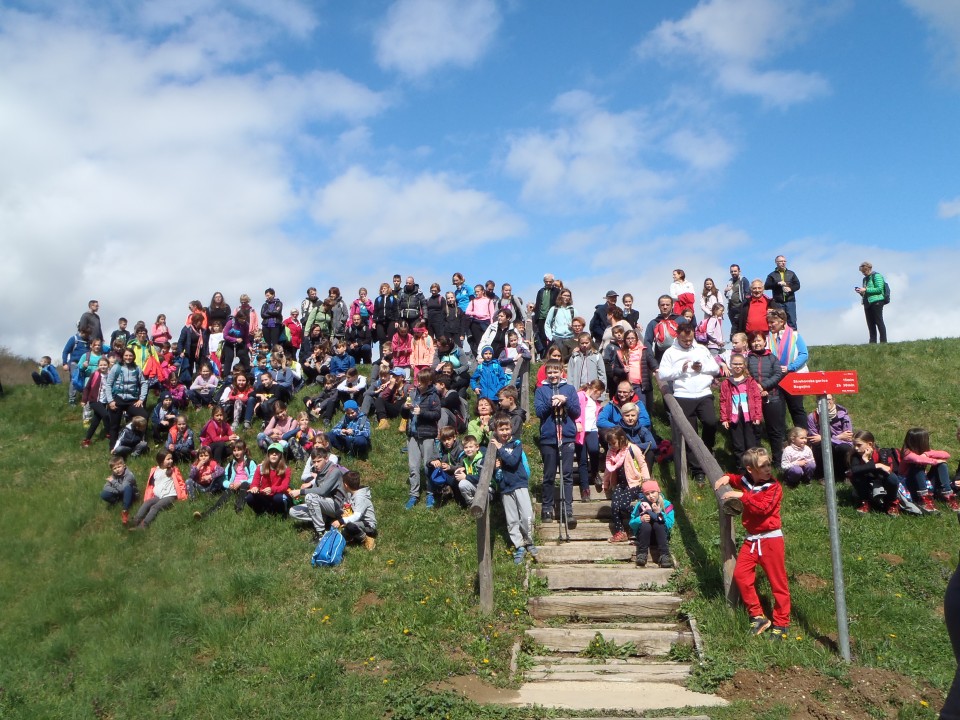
[[926, 471]]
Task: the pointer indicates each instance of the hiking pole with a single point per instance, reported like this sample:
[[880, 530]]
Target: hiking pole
[[558, 413]]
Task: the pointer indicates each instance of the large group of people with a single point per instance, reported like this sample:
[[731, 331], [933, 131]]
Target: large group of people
[[448, 367]]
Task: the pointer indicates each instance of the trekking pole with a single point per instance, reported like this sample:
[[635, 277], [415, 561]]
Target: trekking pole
[[558, 413]]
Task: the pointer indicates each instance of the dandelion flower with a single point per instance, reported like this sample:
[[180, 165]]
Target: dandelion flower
[[924, 703], [893, 635], [486, 661]]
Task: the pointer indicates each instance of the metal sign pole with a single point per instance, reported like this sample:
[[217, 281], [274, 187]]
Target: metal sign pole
[[839, 593]]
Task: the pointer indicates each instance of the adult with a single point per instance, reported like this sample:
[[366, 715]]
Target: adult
[[784, 283], [600, 322], [434, 307], [546, 299], [125, 392], [841, 436], [480, 313], [709, 297], [661, 332], [293, 334], [384, 315], [359, 340], [513, 302], [736, 292], [559, 324], [691, 368], [271, 315], [219, 310], [639, 366], [363, 306], [791, 352], [873, 292], [193, 344], [340, 313], [143, 349], [753, 310], [236, 342], [90, 321], [496, 333], [461, 291], [308, 310], [682, 292], [410, 302]]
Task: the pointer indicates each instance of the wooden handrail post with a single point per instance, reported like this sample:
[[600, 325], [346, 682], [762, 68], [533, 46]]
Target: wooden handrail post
[[480, 509]]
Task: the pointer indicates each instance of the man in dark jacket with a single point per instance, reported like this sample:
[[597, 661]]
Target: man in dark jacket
[[599, 321], [410, 302], [784, 283], [546, 299], [736, 291]]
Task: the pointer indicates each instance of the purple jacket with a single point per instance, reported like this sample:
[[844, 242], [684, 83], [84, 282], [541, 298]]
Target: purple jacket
[[840, 424]]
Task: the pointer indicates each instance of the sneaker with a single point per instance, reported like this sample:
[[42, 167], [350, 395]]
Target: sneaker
[[666, 560], [547, 517], [952, 503], [124, 517], [585, 495], [430, 501], [369, 543], [618, 537], [384, 424], [518, 555], [778, 634], [759, 624], [534, 551], [403, 426], [410, 503], [699, 478], [864, 508], [894, 509], [246, 425], [84, 443], [641, 558], [926, 504]]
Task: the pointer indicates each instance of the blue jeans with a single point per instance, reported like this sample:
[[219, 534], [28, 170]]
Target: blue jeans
[[127, 495], [552, 458], [349, 444], [936, 478], [790, 307]]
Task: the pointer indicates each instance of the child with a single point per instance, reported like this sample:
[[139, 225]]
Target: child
[[121, 486], [215, 342], [449, 454], [271, 480], [587, 441], [267, 394], [797, 462], [203, 387], [358, 523], [160, 332], [280, 424], [738, 345], [711, 330], [300, 441], [237, 477], [402, 346], [164, 487], [453, 408], [489, 378], [163, 419], [514, 485], [130, 440], [352, 434], [467, 472], [926, 471], [324, 405], [508, 397], [652, 519], [216, 434], [121, 333], [46, 373], [421, 415], [206, 475], [389, 396], [95, 397], [352, 386], [761, 495], [558, 408], [626, 472], [512, 356], [235, 400], [421, 352], [180, 441], [766, 370], [341, 362], [741, 405], [322, 492], [874, 479]]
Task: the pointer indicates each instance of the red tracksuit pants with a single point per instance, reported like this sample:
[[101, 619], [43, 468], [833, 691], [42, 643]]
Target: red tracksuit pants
[[768, 553]]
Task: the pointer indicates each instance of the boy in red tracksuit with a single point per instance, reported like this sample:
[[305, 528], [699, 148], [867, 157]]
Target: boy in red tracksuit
[[761, 495]]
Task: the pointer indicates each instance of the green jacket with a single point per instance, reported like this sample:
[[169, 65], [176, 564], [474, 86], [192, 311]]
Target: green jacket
[[873, 288]]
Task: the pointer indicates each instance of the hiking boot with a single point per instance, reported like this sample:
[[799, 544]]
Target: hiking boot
[[369, 543], [642, 558], [952, 503], [547, 517], [410, 503], [894, 509], [926, 504], [124, 517], [403, 426], [383, 424], [666, 560], [585, 495], [778, 634], [618, 537], [759, 624], [430, 501], [864, 508], [84, 443], [518, 555], [571, 523], [699, 478]]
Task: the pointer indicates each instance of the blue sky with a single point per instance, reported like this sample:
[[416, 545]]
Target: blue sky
[[158, 151]]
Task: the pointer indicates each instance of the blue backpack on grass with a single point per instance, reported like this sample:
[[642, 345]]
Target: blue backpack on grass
[[329, 551]]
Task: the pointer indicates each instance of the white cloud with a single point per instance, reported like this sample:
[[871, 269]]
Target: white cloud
[[420, 36], [943, 20], [432, 211], [949, 208], [733, 38], [129, 179]]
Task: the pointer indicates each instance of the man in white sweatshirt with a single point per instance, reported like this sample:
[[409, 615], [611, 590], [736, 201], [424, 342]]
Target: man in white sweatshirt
[[691, 368]]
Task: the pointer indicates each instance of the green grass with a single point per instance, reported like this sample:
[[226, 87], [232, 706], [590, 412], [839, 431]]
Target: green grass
[[226, 617]]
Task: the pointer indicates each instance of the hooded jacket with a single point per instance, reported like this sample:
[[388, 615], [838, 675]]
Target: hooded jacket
[[543, 405]]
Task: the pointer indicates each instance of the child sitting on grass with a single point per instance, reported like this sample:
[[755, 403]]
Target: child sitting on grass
[[467, 472], [926, 471], [651, 520], [131, 439], [797, 461], [513, 483], [761, 495], [237, 477], [180, 441], [205, 475], [121, 486], [164, 487], [449, 454], [358, 521], [163, 419], [873, 474], [301, 439], [46, 373]]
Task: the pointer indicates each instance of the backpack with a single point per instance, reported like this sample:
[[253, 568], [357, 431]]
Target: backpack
[[700, 334], [329, 551], [886, 293], [665, 332], [78, 378]]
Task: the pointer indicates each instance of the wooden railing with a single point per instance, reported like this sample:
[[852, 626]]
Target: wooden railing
[[480, 509], [685, 438]]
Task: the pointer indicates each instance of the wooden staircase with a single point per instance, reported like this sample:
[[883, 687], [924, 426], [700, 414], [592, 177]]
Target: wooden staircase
[[597, 588]]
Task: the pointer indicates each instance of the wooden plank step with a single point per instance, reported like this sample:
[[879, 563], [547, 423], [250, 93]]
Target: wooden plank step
[[549, 661], [584, 552], [613, 697], [614, 670], [604, 605], [590, 510], [583, 531], [619, 576], [575, 639]]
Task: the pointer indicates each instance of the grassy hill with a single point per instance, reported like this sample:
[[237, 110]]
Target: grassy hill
[[226, 617]]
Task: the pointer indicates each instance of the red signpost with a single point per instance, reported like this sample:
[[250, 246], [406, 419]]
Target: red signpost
[[840, 382]]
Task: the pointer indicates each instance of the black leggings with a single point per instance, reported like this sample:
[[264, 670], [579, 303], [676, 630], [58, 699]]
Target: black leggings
[[101, 414]]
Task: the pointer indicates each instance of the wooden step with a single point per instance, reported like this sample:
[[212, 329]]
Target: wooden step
[[583, 531], [585, 511], [605, 605], [574, 639], [618, 576], [558, 668], [584, 552], [613, 697]]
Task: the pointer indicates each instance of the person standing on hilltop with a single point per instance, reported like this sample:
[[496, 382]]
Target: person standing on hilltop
[[784, 283], [736, 292], [874, 294], [90, 321]]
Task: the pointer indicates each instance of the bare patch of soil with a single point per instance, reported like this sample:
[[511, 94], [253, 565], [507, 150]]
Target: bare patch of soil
[[892, 559], [941, 556], [372, 666], [475, 689], [811, 582], [865, 694], [368, 599]]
